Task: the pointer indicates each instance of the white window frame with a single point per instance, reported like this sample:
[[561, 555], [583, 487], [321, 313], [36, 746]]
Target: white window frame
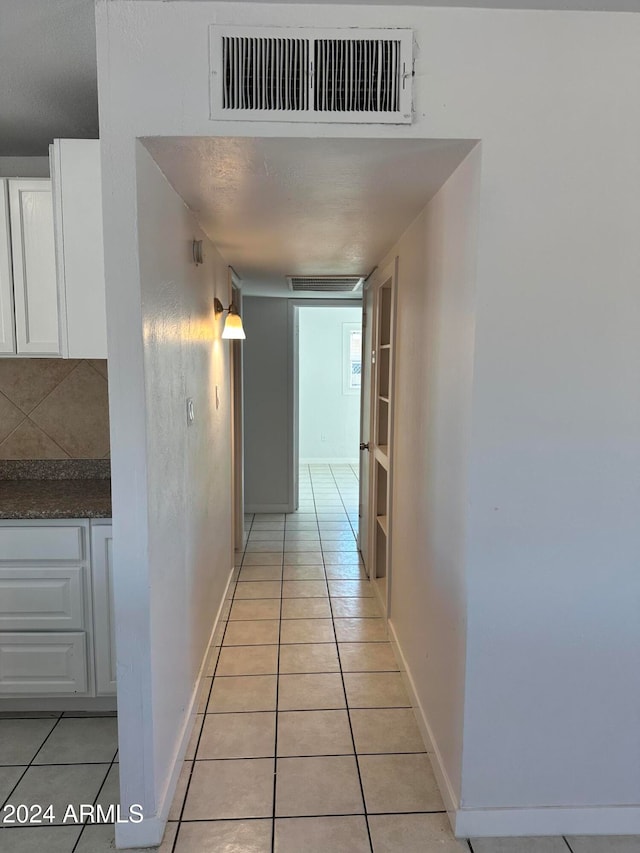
[[347, 330]]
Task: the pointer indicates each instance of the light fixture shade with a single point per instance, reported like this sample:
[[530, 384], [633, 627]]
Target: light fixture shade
[[233, 328]]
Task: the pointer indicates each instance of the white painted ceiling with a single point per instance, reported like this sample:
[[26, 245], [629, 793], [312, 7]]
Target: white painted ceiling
[[277, 207], [48, 63]]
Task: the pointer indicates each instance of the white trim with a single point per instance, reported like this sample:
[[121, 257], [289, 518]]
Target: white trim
[[487, 823], [251, 508], [445, 785], [548, 820], [330, 460], [149, 832]]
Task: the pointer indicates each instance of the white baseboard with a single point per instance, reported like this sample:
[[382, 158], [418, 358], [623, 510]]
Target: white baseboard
[[483, 823], [330, 461], [593, 820], [251, 508], [149, 832], [444, 783]]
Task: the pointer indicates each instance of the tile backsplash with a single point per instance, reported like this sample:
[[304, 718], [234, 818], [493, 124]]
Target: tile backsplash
[[52, 408]]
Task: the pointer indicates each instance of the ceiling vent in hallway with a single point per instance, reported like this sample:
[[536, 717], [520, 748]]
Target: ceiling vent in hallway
[[317, 75], [326, 283]]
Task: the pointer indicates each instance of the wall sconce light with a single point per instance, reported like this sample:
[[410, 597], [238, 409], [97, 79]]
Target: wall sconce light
[[233, 324]]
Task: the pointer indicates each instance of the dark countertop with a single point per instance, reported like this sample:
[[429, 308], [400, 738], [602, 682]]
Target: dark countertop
[[52, 489]]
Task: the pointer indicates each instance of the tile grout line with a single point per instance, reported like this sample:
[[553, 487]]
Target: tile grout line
[[344, 690], [33, 758], [95, 799], [215, 669]]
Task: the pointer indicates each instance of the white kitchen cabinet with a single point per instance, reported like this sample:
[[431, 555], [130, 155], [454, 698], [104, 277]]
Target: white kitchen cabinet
[[77, 198], [35, 286], [36, 663], [7, 319], [104, 639], [42, 598]]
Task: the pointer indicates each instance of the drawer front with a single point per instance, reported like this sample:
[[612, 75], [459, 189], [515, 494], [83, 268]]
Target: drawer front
[[41, 599], [42, 542], [43, 663]]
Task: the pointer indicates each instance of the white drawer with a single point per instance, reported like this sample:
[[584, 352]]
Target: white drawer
[[43, 663], [42, 541], [41, 599]]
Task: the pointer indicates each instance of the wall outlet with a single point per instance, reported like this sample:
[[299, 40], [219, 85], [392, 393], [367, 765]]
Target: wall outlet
[[191, 412], [323, 436], [217, 398]]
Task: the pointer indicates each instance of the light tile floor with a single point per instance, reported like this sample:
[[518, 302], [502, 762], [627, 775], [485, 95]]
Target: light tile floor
[[305, 741]]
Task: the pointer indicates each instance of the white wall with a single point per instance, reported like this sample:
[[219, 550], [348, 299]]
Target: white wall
[[167, 600], [329, 418], [268, 409], [434, 373], [553, 638]]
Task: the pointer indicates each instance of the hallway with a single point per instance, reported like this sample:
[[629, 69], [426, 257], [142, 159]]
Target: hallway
[[305, 673]]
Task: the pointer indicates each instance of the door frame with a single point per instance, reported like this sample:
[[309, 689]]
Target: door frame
[[237, 421], [294, 376]]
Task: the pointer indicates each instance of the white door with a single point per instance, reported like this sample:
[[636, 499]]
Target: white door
[[35, 284], [7, 326], [365, 426]]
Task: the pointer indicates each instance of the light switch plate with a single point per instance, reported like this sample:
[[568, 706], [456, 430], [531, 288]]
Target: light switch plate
[[191, 414]]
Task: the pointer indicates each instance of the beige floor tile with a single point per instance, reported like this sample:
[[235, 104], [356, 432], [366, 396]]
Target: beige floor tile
[[243, 693], [314, 733], [340, 546], [100, 838], [302, 536], [306, 608], [261, 559], [367, 657], [309, 657], [350, 589], [260, 573], [399, 783], [304, 589], [318, 786], [527, 845], [8, 778], [181, 790], [351, 572], [218, 634], [79, 741], [361, 630], [211, 661], [295, 545], [414, 833], [266, 525], [60, 786], [20, 740], [264, 547], [310, 692], [238, 736], [308, 525], [338, 559], [257, 589], [303, 573], [221, 790], [190, 754], [25, 839], [252, 633], [375, 690], [303, 558], [225, 836], [321, 835], [248, 660], [362, 608], [255, 609], [381, 730], [204, 689], [306, 631], [267, 535], [603, 844]]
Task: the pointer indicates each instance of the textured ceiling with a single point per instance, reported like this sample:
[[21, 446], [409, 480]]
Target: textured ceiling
[[277, 207], [48, 63]]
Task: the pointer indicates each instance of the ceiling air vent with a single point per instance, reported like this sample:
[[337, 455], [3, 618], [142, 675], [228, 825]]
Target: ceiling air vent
[[325, 283], [282, 74]]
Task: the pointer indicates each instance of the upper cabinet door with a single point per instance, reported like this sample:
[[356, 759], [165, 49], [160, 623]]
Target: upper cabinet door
[[7, 327], [77, 193], [34, 267]]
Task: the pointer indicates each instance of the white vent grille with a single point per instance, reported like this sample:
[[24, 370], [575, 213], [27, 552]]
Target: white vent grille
[[325, 283], [277, 74]]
